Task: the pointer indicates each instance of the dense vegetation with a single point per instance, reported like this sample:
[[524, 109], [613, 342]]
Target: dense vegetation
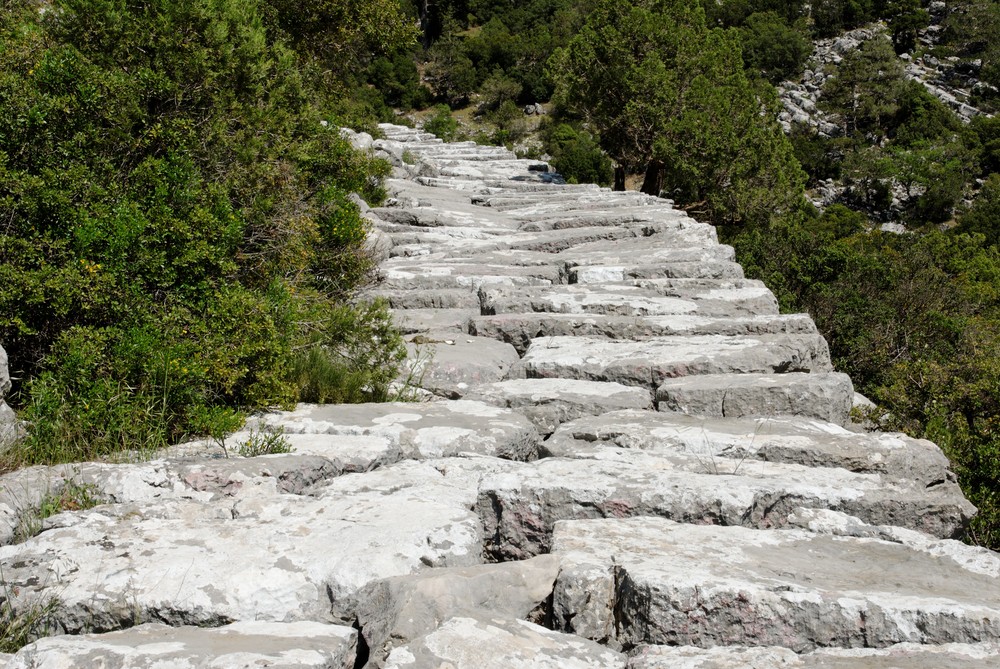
[[177, 238]]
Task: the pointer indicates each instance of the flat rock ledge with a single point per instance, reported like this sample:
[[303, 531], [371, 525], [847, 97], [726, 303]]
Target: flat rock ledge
[[625, 458]]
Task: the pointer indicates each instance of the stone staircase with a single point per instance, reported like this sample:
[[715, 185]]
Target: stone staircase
[[626, 457]]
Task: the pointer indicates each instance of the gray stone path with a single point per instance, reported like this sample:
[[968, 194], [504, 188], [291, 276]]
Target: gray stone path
[[625, 457]]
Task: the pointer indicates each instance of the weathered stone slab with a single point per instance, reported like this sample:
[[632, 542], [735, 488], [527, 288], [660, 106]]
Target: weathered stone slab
[[414, 321], [422, 276], [695, 269], [725, 298], [423, 430], [4, 374], [826, 396], [301, 645], [653, 250], [561, 200], [265, 556], [398, 610], [550, 402], [493, 643], [520, 505], [900, 656], [650, 362], [691, 585], [520, 329], [450, 366], [778, 439], [434, 298], [554, 241]]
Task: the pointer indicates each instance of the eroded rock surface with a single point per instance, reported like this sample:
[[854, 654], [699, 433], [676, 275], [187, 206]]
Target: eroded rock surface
[[626, 457]]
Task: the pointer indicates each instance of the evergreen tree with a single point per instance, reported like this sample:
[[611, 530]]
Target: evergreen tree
[[669, 95]]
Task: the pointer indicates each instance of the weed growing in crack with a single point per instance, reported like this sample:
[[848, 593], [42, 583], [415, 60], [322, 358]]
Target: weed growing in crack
[[72, 496], [268, 441]]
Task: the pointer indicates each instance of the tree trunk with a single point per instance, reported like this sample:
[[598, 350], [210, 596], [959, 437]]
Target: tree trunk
[[652, 183], [619, 177]]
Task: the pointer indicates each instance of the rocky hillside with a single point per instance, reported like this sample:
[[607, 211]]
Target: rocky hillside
[[626, 458]]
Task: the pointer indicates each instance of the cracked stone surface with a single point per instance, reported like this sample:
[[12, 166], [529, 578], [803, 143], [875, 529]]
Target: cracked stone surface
[[689, 585], [491, 643]]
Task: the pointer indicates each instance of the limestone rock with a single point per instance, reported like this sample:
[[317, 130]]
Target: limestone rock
[[641, 298], [826, 396], [650, 362], [398, 610], [777, 439], [263, 556], [415, 321], [301, 645], [520, 329], [520, 506], [4, 374], [451, 366], [900, 656], [705, 586], [422, 430], [550, 402], [492, 643]]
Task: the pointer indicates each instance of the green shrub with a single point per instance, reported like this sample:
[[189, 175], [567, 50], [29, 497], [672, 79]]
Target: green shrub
[[177, 222], [577, 156], [442, 124], [265, 442]]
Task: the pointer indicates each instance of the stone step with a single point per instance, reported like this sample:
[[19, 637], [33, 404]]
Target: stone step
[[900, 656], [652, 581], [554, 241], [792, 440], [548, 403], [429, 298], [827, 397], [210, 551], [450, 365], [520, 329], [640, 218], [649, 363], [421, 429], [670, 269], [521, 504], [471, 642], [299, 645], [415, 275], [413, 321], [653, 250], [541, 202], [687, 297]]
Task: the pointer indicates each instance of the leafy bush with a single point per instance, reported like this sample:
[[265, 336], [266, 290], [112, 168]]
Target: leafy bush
[[177, 221], [577, 155], [442, 124]]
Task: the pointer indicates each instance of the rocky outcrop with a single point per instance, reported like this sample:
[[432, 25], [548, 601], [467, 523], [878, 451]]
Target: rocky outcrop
[[10, 429], [626, 458]]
